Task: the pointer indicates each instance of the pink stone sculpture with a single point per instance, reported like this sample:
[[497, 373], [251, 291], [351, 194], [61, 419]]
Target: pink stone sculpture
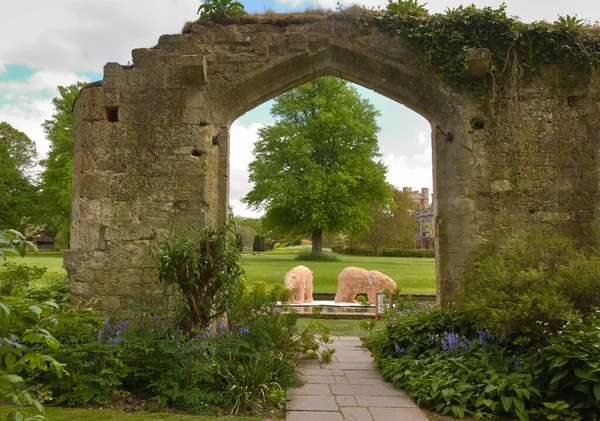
[[352, 280], [300, 281]]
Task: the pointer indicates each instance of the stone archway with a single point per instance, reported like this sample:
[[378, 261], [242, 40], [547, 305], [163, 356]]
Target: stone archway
[[152, 143]]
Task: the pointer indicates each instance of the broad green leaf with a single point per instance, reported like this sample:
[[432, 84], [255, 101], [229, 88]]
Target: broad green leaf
[[559, 375], [506, 403], [597, 391], [11, 378]]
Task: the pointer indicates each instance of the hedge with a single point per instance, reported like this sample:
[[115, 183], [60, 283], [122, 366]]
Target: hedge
[[386, 252]]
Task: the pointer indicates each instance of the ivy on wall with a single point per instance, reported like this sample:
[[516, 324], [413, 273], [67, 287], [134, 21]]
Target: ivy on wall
[[516, 48]]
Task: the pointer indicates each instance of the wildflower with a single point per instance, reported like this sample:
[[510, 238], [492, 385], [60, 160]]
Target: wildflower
[[453, 342], [244, 330], [485, 337], [399, 351]]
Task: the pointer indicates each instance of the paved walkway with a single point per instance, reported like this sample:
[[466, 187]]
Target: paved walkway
[[350, 388]]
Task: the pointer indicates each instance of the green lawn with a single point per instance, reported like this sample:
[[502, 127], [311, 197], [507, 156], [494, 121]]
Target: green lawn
[[52, 261], [414, 275], [70, 414], [339, 327]]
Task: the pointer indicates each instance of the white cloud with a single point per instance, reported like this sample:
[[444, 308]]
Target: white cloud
[[43, 80], [242, 140], [30, 103], [84, 35], [401, 173]]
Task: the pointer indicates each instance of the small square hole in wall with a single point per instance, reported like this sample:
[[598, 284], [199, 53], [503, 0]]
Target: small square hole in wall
[[112, 114], [478, 123]]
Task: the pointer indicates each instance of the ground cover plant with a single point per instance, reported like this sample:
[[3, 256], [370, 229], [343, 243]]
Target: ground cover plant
[[523, 341], [236, 364], [79, 414]]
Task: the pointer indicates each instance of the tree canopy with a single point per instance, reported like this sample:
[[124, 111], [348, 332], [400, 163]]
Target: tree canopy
[[58, 167], [394, 226], [18, 194], [315, 170]]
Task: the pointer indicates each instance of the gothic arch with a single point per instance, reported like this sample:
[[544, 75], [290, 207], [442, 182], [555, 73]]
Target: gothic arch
[[152, 141]]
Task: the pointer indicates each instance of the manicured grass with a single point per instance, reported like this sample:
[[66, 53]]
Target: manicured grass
[[414, 275], [70, 414], [52, 261], [339, 327]]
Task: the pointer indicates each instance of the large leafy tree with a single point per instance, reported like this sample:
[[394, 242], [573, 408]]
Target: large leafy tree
[[58, 167], [315, 170], [394, 226], [18, 194]]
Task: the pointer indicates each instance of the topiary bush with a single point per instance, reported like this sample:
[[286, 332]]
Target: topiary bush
[[259, 243]]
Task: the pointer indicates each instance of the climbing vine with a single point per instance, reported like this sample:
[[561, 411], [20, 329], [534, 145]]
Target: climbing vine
[[516, 48]]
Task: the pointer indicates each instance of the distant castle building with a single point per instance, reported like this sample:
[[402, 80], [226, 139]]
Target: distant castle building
[[423, 213], [421, 199]]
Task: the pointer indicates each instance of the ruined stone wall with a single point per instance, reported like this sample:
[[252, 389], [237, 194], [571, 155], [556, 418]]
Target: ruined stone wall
[[152, 144]]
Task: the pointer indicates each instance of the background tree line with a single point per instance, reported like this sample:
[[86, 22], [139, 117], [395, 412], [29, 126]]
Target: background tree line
[[317, 174], [35, 196]]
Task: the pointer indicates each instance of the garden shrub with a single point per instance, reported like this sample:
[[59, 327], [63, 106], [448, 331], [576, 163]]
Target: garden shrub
[[524, 285], [241, 363], [259, 243], [15, 278], [386, 252], [206, 268], [523, 341]]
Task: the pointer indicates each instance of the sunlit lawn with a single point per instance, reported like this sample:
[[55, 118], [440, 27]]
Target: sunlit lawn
[[339, 327], [71, 414], [414, 275]]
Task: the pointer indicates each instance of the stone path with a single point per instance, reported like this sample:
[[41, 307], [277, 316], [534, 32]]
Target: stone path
[[350, 388]]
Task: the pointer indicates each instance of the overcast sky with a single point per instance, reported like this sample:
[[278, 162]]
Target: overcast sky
[[59, 42]]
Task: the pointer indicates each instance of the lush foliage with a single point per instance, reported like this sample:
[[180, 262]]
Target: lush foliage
[[406, 7], [13, 243], [25, 323], [516, 49], [18, 194], [314, 170], [440, 358], [247, 228], [212, 9], [392, 227], [207, 271], [523, 341], [58, 166], [243, 362], [387, 252], [237, 364], [527, 285]]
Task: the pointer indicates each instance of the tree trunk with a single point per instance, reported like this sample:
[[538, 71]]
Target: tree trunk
[[317, 241]]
